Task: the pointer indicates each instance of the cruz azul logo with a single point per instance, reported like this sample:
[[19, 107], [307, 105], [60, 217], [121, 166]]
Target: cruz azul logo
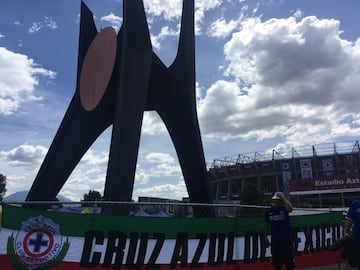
[[38, 245]]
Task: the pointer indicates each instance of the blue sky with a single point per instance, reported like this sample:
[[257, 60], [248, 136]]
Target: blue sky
[[270, 75]]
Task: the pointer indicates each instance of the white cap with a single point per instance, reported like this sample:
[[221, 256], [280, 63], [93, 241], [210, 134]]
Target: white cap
[[276, 196]]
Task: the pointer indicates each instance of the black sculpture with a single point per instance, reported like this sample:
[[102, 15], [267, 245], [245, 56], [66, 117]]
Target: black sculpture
[[130, 79]]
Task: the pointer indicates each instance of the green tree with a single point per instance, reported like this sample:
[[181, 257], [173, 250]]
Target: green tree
[[2, 186], [92, 195], [250, 194]]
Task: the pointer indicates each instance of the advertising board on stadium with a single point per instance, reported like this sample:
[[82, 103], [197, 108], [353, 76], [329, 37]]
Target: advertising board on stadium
[[344, 181]]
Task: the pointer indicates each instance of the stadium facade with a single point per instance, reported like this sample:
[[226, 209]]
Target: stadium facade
[[324, 175]]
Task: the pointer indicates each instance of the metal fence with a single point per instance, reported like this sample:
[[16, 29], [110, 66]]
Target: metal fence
[[165, 209]]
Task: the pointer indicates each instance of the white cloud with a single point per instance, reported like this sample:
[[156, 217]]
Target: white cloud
[[165, 165], [159, 158], [298, 14], [215, 119], [24, 155], [141, 176], [167, 9], [152, 124], [49, 22], [113, 19], [20, 165], [78, 184], [165, 169], [19, 75], [278, 50], [73, 196], [165, 32], [90, 173], [297, 80], [171, 10], [171, 191], [35, 27], [221, 28], [95, 160], [200, 8], [14, 183]]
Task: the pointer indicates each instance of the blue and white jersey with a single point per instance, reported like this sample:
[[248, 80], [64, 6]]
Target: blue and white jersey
[[354, 215], [281, 231]]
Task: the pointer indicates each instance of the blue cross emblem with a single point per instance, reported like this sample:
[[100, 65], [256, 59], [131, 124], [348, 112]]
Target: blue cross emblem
[[38, 242]]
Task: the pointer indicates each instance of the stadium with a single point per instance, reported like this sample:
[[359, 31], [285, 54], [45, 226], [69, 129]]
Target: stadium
[[319, 176]]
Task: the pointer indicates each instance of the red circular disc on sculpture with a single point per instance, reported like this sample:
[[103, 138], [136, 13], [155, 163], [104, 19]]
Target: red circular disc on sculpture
[[97, 68]]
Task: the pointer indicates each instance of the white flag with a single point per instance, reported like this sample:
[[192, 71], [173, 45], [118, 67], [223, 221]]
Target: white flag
[[306, 170]]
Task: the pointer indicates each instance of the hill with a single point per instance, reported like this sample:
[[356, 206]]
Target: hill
[[20, 196]]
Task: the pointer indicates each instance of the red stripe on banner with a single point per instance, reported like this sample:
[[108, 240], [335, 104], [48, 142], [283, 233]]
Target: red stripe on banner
[[319, 259], [323, 258]]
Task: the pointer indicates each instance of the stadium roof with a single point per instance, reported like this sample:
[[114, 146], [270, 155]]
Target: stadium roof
[[295, 152]]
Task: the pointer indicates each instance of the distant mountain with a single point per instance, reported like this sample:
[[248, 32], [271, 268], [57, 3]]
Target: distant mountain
[[20, 196]]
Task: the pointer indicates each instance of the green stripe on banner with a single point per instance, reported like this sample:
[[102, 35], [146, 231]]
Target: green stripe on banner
[[316, 219], [73, 224]]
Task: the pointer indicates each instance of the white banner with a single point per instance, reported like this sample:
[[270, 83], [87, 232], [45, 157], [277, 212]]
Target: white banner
[[328, 167], [306, 169]]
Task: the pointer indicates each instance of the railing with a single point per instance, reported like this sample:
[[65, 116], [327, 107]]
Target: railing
[[163, 209]]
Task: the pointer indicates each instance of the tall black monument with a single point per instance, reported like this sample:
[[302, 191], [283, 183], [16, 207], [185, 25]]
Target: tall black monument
[[119, 77]]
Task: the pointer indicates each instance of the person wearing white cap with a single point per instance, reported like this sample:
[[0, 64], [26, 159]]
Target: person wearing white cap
[[277, 222]]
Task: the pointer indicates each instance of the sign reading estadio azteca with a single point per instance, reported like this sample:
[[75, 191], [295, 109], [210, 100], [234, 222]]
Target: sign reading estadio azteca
[[31, 239], [343, 181]]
